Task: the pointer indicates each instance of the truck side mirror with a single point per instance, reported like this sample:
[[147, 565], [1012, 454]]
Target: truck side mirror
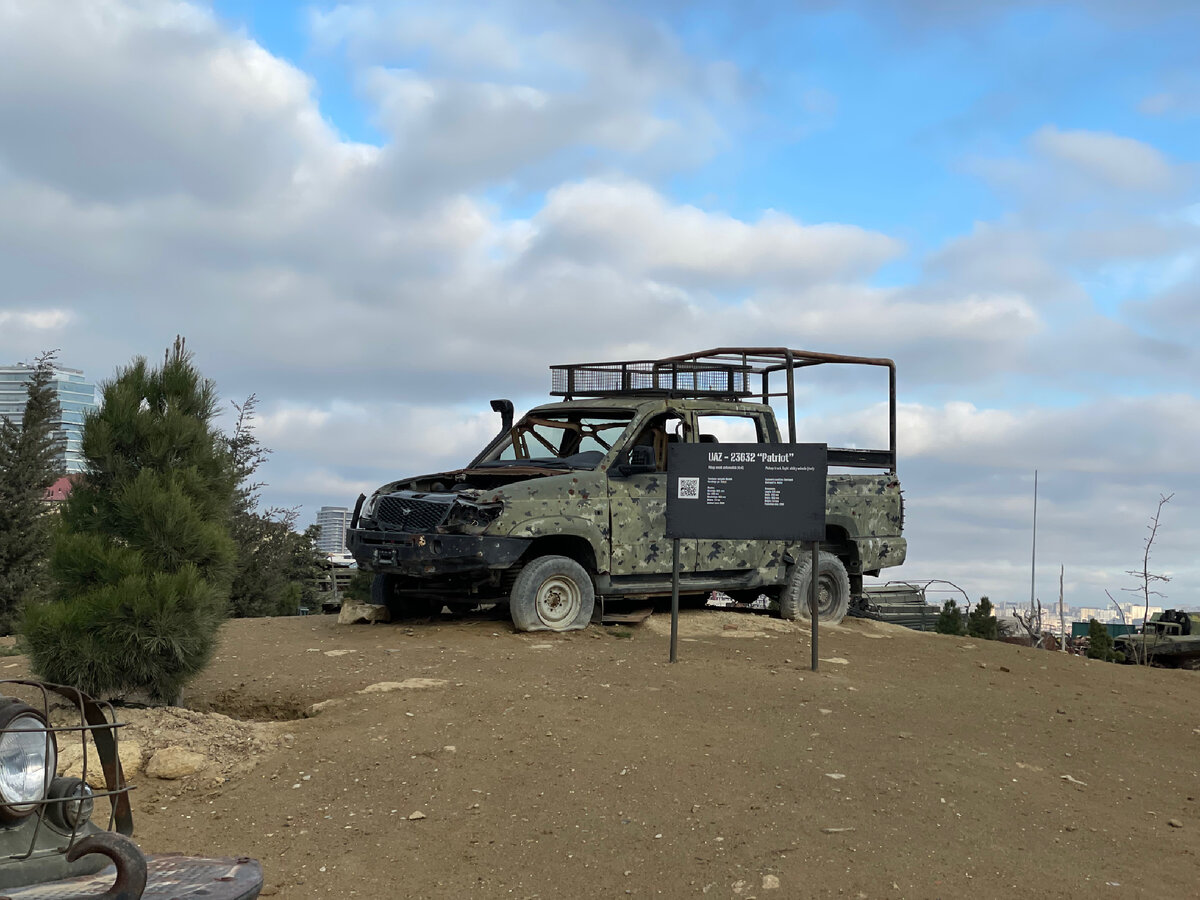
[[640, 461]]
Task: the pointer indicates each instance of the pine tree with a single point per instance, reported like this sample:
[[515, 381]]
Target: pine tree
[[1100, 643], [981, 621], [143, 560], [30, 461], [950, 620]]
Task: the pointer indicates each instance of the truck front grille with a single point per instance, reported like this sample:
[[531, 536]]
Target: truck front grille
[[412, 515]]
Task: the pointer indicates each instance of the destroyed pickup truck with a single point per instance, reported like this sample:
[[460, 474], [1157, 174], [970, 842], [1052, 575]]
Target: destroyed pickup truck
[[565, 509]]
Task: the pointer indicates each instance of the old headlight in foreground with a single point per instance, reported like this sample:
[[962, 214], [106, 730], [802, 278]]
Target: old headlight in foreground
[[50, 842], [27, 760], [71, 804]]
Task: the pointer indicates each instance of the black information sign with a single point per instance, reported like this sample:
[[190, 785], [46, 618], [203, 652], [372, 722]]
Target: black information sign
[[746, 491]]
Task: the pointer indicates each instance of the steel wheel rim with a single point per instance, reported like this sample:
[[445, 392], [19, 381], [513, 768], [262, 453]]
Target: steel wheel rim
[[825, 594], [559, 600]]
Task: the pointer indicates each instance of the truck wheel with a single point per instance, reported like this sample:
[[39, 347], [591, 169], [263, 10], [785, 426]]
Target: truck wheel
[[552, 593], [385, 591], [833, 590]]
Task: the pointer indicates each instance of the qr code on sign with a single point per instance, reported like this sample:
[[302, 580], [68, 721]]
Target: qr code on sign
[[689, 488]]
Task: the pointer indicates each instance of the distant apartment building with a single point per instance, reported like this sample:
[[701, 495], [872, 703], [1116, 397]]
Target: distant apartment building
[[75, 395], [332, 522], [1129, 612]]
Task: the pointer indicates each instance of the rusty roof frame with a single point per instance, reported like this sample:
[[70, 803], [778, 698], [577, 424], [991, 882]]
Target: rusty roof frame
[[746, 362]]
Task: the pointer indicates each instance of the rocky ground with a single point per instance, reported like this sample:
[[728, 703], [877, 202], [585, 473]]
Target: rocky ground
[[456, 758]]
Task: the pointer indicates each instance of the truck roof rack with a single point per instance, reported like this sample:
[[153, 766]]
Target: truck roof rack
[[722, 373]]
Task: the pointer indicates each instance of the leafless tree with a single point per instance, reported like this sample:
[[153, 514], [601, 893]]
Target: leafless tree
[[1144, 575], [1120, 612], [1032, 623]]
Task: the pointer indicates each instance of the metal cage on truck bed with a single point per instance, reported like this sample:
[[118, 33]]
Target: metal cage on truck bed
[[735, 373]]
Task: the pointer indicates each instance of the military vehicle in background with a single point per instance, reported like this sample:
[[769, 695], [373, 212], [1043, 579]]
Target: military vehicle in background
[[1170, 638], [907, 603], [566, 507]]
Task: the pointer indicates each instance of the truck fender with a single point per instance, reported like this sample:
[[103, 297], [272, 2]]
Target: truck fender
[[567, 526]]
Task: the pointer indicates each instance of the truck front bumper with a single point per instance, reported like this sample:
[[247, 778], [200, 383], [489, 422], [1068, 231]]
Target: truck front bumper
[[425, 555]]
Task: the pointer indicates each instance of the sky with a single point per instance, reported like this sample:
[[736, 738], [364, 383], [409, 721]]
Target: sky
[[378, 216]]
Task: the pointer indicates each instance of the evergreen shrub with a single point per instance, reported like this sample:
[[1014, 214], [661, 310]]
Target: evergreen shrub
[[950, 620], [143, 561], [1100, 643], [30, 461], [981, 621]]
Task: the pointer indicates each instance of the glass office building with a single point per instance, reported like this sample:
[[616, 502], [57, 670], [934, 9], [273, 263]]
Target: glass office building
[[76, 396], [333, 522]]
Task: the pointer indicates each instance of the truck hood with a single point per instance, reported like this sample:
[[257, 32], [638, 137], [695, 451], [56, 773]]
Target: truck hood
[[481, 485]]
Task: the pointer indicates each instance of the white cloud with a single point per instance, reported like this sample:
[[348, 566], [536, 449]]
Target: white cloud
[[449, 135], [150, 100], [562, 86], [1148, 434], [1178, 98], [628, 224], [458, 37], [36, 320], [1005, 258], [1112, 160], [401, 438], [332, 486]]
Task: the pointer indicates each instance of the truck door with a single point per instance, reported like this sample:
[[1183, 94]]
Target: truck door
[[638, 507]]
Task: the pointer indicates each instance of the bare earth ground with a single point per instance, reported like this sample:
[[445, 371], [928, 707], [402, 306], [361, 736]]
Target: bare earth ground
[[585, 765]]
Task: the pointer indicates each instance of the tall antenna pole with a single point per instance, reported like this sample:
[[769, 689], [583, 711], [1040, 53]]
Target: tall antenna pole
[[1062, 622], [1033, 560]]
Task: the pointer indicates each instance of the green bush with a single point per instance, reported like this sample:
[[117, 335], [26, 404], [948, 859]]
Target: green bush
[[1100, 644], [143, 559], [981, 621], [149, 632], [950, 620]]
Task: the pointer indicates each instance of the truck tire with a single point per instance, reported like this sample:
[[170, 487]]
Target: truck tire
[[552, 593], [833, 590], [385, 591]]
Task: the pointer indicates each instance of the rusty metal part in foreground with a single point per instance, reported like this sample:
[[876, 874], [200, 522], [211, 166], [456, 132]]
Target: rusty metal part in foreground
[[131, 865], [166, 876]]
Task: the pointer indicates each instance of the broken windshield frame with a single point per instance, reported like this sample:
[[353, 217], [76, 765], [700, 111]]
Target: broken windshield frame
[[571, 439]]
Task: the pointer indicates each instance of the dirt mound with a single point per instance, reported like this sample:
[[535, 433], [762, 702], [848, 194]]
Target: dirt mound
[[152, 741], [708, 623]]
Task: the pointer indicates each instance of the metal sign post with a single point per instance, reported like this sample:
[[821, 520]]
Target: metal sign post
[[813, 598], [746, 492], [674, 598]]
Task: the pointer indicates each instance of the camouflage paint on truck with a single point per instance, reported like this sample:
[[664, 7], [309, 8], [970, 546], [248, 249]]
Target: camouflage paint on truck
[[461, 537]]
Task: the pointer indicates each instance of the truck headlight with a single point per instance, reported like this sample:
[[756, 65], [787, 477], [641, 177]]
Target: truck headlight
[[472, 516], [71, 804], [28, 756]]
